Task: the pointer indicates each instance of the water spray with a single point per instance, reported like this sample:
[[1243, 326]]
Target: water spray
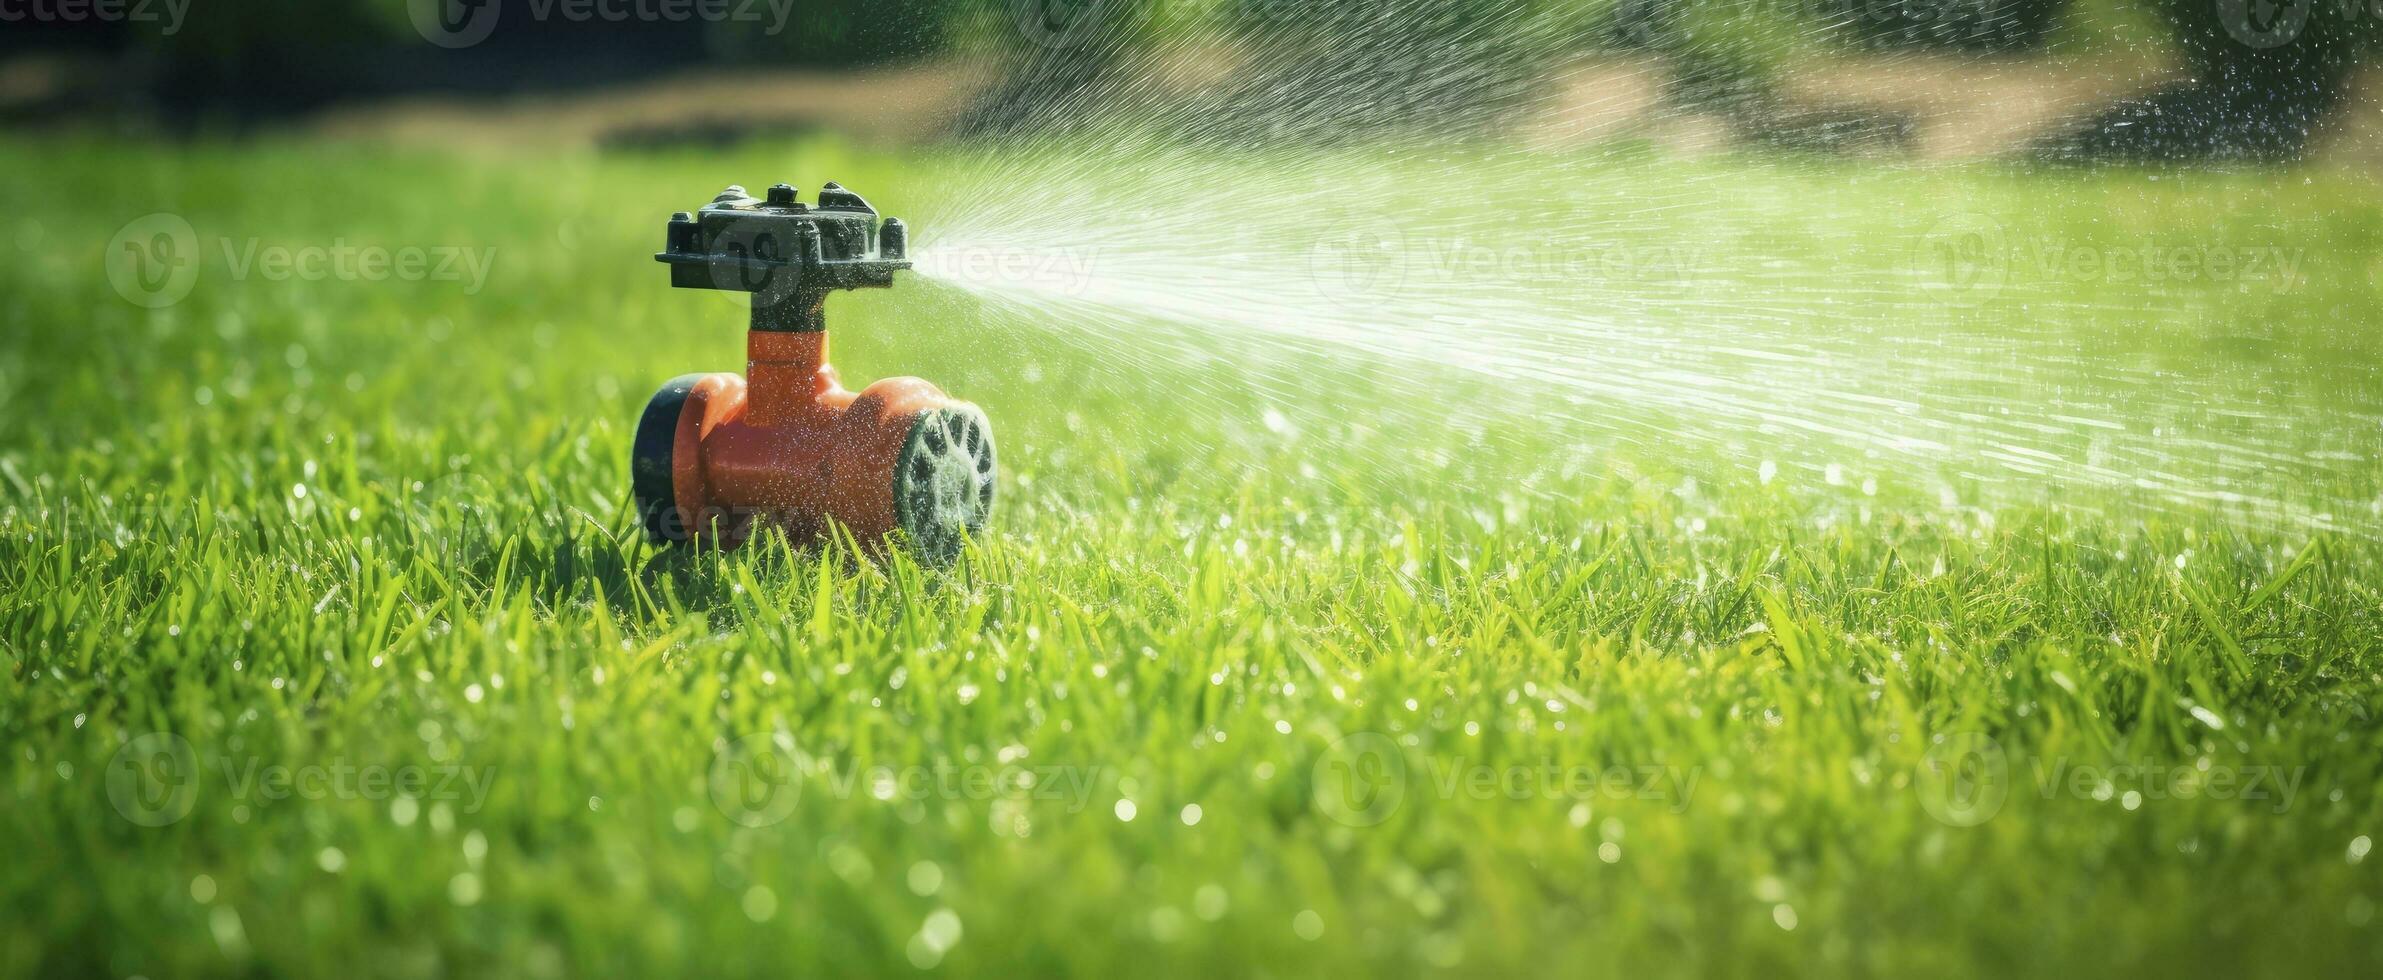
[[718, 456]]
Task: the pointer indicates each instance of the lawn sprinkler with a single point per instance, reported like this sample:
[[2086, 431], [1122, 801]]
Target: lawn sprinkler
[[718, 455]]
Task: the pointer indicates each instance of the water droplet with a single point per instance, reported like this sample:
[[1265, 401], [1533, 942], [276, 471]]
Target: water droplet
[[760, 904], [1209, 903], [925, 878]]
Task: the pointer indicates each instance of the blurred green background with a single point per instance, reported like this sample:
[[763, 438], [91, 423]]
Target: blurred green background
[[2235, 93]]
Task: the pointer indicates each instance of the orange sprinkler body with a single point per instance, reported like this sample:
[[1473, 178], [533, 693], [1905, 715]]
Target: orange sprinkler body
[[787, 445]]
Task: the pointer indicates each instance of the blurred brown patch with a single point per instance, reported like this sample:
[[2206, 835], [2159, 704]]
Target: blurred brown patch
[[1917, 106], [710, 108], [2354, 134], [1594, 100], [1967, 108], [1935, 108]]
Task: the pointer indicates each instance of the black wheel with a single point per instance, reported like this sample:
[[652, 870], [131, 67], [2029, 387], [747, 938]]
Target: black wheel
[[649, 462], [943, 481]]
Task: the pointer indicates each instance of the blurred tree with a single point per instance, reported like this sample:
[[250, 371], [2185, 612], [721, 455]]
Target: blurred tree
[[274, 57], [1725, 58], [269, 56], [1962, 25], [1058, 52], [1335, 70], [2264, 75], [846, 33]]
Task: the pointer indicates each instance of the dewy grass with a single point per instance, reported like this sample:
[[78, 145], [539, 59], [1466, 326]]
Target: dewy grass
[[331, 645]]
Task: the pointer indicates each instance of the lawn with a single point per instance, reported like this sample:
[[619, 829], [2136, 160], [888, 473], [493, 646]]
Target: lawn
[[331, 646]]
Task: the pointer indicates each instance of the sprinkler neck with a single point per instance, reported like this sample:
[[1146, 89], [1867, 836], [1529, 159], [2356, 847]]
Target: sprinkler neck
[[786, 369], [803, 312], [787, 377]]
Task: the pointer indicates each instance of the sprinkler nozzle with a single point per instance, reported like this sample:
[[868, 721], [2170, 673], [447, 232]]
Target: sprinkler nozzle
[[781, 246]]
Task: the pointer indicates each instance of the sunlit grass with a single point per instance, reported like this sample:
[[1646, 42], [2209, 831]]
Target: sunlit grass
[[1322, 663]]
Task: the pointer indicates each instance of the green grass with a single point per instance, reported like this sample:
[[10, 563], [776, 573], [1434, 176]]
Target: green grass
[[334, 524]]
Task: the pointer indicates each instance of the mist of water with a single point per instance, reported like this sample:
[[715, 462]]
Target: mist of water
[[1701, 315]]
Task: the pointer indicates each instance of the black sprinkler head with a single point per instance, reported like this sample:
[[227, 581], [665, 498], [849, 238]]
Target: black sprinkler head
[[788, 254]]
